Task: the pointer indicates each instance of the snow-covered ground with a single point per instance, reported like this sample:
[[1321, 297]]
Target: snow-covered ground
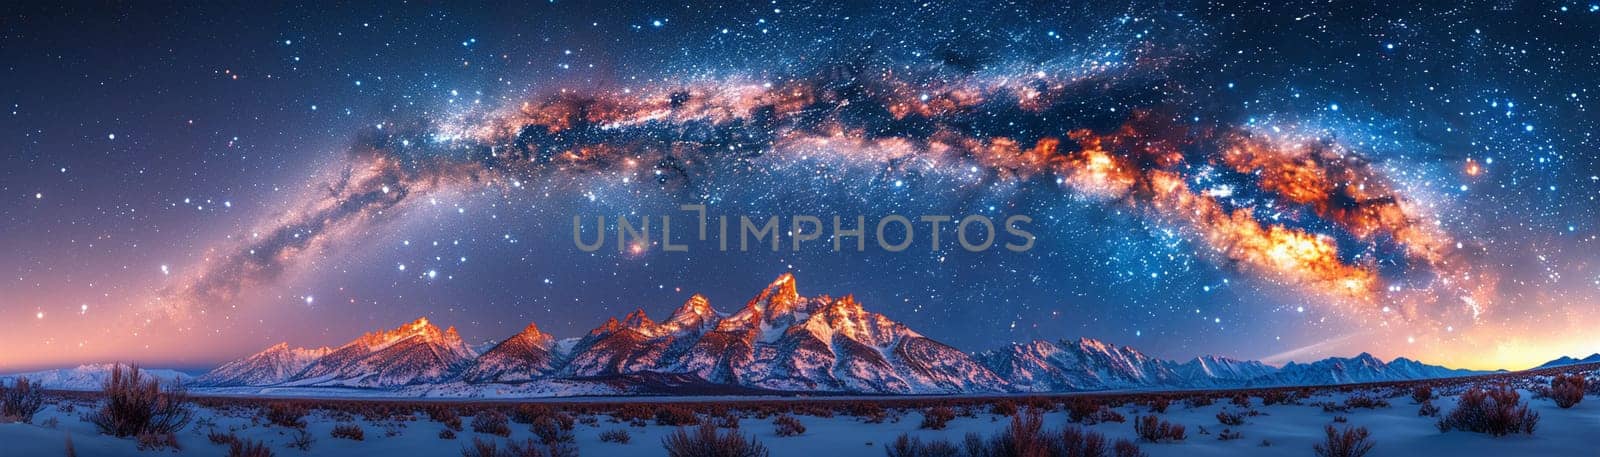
[[1279, 430]]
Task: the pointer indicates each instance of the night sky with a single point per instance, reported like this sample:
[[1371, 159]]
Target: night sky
[[183, 185]]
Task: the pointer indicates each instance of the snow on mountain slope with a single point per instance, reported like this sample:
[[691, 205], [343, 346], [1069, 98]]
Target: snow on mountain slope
[[782, 341], [1222, 368], [1086, 364], [522, 357], [1565, 360], [273, 365], [417, 352], [1361, 368], [778, 341], [90, 377]]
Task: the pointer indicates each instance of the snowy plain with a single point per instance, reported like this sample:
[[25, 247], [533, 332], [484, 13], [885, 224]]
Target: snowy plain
[[1282, 429]]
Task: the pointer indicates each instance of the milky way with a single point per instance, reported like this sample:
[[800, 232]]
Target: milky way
[[1257, 181], [1013, 126]]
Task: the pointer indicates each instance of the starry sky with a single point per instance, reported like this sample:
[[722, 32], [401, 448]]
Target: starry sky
[[183, 185]]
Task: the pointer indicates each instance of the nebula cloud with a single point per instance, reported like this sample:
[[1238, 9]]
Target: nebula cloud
[[1022, 126]]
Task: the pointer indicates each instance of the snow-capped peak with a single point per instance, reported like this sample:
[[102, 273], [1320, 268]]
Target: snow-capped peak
[[272, 365], [611, 325], [90, 376], [695, 314], [417, 328], [778, 299], [779, 341], [639, 321], [532, 332]]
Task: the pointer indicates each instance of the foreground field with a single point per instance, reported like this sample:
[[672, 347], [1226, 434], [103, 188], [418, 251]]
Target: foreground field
[[1270, 422]]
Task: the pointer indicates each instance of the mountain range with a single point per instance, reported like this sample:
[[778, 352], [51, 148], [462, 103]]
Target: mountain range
[[1565, 360], [778, 342], [92, 377]]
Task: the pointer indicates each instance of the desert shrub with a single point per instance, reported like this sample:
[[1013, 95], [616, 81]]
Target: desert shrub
[[341, 416], [560, 448], [704, 441], [1567, 390], [1349, 442], [1074, 441], [1496, 411], [1159, 405], [787, 425], [1080, 408], [936, 418], [527, 448], [1039, 403], [1274, 397], [676, 416], [1003, 408], [151, 440], [1088, 411], [633, 412], [491, 422], [1331, 407], [482, 448], [566, 421], [876, 416], [1198, 401], [248, 448], [906, 446], [727, 420], [556, 436], [1428, 409], [1026, 436], [1155, 430], [447, 416], [217, 437], [1125, 448], [1230, 418], [1240, 400], [1340, 419], [869, 411], [526, 413], [137, 406], [447, 434], [1365, 401], [1422, 393], [287, 414], [349, 432], [812, 409], [1229, 435], [21, 401], [619, 436], [301, 440]]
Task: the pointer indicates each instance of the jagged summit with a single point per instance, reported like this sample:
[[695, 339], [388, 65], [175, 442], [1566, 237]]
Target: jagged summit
[[419, 328], [275, 364], [639, 321], [416, 352], [532, 330], [778, 299], [695, 314], [525, 356], [779, 341]]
